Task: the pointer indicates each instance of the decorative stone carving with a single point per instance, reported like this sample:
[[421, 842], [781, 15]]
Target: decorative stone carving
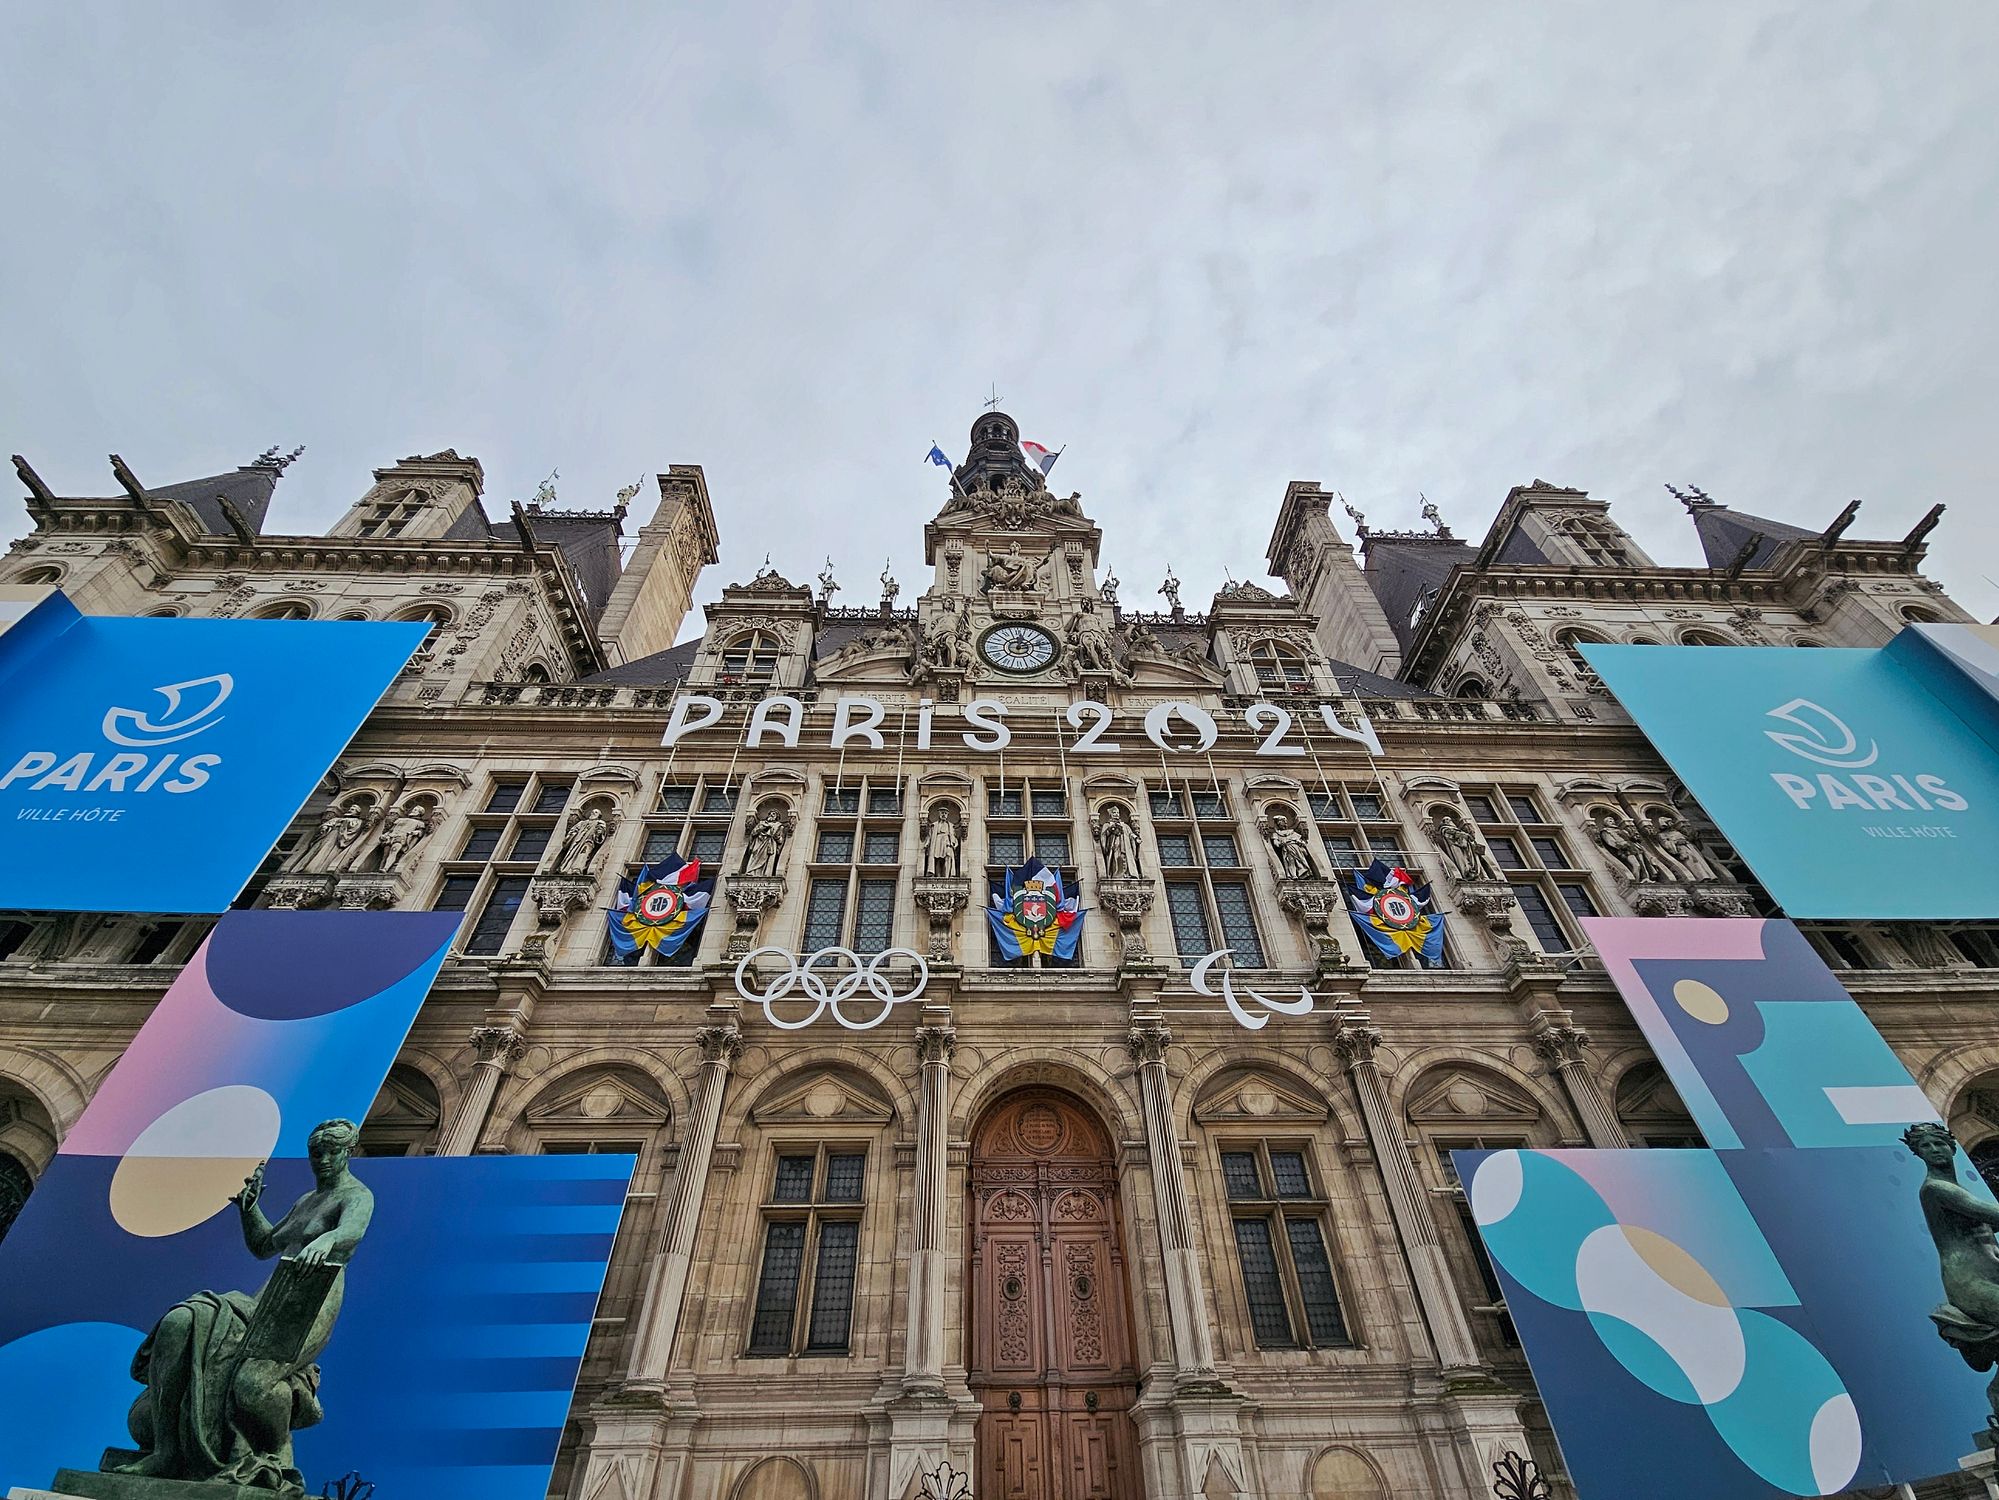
[[1675, 847], [298, 892], [340, 838], [1128, 899], [1355, 1042], [1147, 1041], [767, 836], [942, 842], [413, 822], [1009, 572], [367, 891], [1615, 834], [1707, 898], [500, 1045], [935, 1044], [1092, 647], [941, 899], [1290, 847], [750, 896], [1464, 851], [719, 1044], [1117, 843], [1490, 901], [1562, 1044], [583, 837], [556, 898], [1317, 904]]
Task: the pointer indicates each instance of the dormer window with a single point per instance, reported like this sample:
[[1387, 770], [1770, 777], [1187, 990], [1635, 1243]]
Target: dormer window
[[1602, 543], [1280, 668], [391, 516], [751, 657]]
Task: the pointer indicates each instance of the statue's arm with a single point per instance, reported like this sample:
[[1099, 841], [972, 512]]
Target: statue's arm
[[337, 1243], [259, 1234], [1962, 1201]]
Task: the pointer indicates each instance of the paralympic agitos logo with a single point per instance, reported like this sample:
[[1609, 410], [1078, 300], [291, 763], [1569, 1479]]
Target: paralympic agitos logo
[[1819, 735], [192, 708]]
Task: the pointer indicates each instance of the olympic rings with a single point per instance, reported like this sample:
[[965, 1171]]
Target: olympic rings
[[805, 978]]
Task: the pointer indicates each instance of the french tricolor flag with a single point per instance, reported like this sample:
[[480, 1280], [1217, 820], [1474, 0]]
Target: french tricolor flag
[[1040, 457]]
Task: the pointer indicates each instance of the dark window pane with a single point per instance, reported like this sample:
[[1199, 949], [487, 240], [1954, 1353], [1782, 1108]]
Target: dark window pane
[[1576, 897], [480, 843], [1049, 803], [1534, 907], [1550, 853], [884, 799], [707, 844], [777, 1289], [1293, 1181], [1006, 848], [457, 893], [1167, 805], [1487, 1279], [489, 933], [1505, 853], [1238, 924], [1261, 1286], [874, 916], [833, 1287], [1003, 804], [675, 797], [1190, 921], [1976, 946], [1482, 810], [1240, 1176], [158, 938], [506, 796], [1524, 808], [836, 846], [1315, 1283], [794, 1180], [825, 906], [1175, 849], [1220, 849], [531, 844], [882, 846], [1326, 805], [1367, 805], [843, 1178], [843, 799], [1052, 849], [1846, 949], [1210, 805], [719, 798], [552, 797], [659, 843], [1345, 851]]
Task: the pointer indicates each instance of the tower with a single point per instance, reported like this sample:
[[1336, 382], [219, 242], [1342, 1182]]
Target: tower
[[1307, 552], [653, 594]]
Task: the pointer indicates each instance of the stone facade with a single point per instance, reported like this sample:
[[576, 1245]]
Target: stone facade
[[1279, 1293]]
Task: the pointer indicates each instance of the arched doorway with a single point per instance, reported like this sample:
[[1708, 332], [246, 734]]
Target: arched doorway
[[1049, 1320]]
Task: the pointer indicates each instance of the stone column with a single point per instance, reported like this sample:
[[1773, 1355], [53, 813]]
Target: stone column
[[1193, 1341], [498, 1048], [1456, 1352], [923, 1360], [1563, 1044], [652, 1349]]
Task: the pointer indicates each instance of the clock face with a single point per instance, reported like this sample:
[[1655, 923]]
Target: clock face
[[1017, 647]]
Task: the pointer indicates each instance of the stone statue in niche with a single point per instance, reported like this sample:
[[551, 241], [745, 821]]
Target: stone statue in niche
[[582, 838], [947, 641], [1117, 842], [941, 843], [229, 1376], [1288, 844], [767, 838], [1676, 846], [1615, 835], [1961, 1224], [1008, 571], [335, 843], [1093, 647], [1463, 850], [414, 822]]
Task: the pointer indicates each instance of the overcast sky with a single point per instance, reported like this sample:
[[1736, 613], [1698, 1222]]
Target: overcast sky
[[1211, 248]]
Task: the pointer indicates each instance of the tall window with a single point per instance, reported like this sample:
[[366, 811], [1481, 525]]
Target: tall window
[[502, 847], [1030, 818], [691, 817], [1206, 876], [856, 863], [1534, 854], [1280, 668], [812, 1237], [1278, 1215], [1355, 823], [1484, 1296], [751, 657]]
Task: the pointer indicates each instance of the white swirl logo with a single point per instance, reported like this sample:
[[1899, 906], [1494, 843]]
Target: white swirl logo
[[1826, 738], [1199, 980], [811, 983], [204, 695]]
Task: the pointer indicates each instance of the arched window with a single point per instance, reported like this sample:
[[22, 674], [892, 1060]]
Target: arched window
[[15, 1185], [1705, 638], [284, 609], [1572, 642], [1641, 640], [751, 657], [1471, 687], [425, 614], [1917, 614], [165, 612], [41, 575], [352, 614], [1805, 640], [1280, 668], [536, 672]]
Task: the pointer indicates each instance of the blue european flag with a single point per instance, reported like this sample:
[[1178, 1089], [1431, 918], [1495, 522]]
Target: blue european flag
[[936, 456]]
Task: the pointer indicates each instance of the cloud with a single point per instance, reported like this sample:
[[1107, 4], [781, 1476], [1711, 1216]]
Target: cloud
[[1444, 249]]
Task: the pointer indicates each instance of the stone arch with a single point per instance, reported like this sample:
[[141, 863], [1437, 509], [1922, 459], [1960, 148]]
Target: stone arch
[[1209, 1084], [27, 1132], [50, 1082], [533, 1078], [778, 1477], [1919, 614], [430, 612], [289, 608], [1471, 687], [1449, 1087], [42, 574], [404, 1119], [1974, 1119], [1706, 637], [1101, 1142], [1114, 1099], [1650, 1108], [1343, 1473]]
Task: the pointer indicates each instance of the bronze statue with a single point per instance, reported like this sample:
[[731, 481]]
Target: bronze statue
[[229, 1376], [1961, 1223]]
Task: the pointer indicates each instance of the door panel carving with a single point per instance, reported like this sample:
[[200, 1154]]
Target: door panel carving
[[1049, 1318]]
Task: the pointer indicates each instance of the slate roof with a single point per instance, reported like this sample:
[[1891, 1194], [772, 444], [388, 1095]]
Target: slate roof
[[1724, 533], [249, 489], [588, 540], [1405, 572], [661, 669]]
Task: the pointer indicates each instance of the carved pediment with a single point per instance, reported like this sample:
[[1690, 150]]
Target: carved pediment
[[823, 1098], [406, 1098], [1452, 1096], [600, 1096], [1256, 1098], [1646, 1096]]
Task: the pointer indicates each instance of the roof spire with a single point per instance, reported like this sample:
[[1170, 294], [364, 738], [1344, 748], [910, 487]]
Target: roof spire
[[1694, 498], [275, 461]]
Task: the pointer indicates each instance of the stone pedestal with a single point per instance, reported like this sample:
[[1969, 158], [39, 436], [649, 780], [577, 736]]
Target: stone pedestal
[[1128, 901], [941, 900], [556, 898], [750, 896], [1318, 905], [372, 891], [93, 1484], [1015, 604], [1489, 901], [298, 892]]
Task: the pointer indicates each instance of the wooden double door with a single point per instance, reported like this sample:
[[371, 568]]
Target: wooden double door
[[1050, 1346]]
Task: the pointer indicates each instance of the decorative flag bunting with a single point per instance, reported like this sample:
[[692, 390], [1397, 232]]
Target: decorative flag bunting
[[659, 906], [936, 456], [1030, 914], [1396, 916], [1040, 457]]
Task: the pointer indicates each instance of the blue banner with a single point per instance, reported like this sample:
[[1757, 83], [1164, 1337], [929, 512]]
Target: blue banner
[[149, 765]]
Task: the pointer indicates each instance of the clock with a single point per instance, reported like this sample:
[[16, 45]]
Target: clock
[[1017, 647]]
